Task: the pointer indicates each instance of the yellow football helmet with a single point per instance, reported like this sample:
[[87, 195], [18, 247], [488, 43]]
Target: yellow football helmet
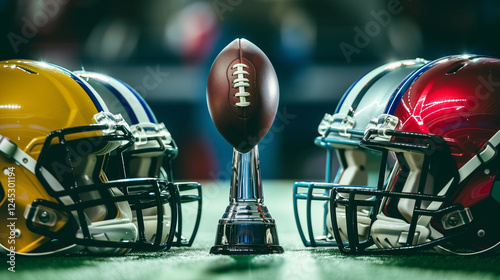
[[55, 136]]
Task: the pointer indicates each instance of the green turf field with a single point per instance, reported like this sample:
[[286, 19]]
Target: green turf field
[[297, 263]]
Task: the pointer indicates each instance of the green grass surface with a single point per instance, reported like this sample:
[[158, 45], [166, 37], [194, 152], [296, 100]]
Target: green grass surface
[[297, 263]]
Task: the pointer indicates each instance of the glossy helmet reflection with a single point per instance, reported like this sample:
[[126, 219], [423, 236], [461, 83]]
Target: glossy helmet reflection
[[55, 136], [444, 192], [340, 134], [152, 153]]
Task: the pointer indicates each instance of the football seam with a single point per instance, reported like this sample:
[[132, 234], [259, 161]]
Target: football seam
[[241, 83]]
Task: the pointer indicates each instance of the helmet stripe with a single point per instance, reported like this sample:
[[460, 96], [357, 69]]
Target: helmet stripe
[[362, 85], [133, 106], [365, 89], [94, 96], [98, 102], [346, 94], [145, 106], [123, 101]]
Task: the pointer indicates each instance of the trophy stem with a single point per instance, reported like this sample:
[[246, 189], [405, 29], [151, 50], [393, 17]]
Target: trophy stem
[[247, 226], [246, 183]]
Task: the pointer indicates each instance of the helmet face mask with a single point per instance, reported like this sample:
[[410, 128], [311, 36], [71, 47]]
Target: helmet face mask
[[340, 135], [150, 156], [443, 192]]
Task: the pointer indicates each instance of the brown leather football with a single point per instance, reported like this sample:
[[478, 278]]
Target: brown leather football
[[242, 94]]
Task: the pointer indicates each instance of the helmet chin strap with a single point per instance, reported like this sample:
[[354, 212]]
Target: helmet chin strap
[[10, 150]]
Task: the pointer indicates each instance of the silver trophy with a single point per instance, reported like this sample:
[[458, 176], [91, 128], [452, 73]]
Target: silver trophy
[[242, 98]]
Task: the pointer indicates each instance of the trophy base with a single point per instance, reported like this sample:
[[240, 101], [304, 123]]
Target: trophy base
[[246, 249], [246, 229]]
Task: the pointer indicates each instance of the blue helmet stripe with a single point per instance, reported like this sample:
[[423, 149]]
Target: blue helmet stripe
[[123, 101], [362, 93], [145, 106], [89, 92], [365, 89], [339, 106], [85, 87]]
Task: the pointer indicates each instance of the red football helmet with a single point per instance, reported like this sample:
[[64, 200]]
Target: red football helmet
[[443, 124]]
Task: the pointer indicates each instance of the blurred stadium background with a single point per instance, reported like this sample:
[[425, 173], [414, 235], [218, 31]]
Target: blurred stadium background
[[165, 48]]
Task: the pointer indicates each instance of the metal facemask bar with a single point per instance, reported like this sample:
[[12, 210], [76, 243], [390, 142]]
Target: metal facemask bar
[[331, 125], [429, 145], [143, 134]]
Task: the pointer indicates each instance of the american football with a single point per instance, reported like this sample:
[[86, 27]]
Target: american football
[[242, 94]]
